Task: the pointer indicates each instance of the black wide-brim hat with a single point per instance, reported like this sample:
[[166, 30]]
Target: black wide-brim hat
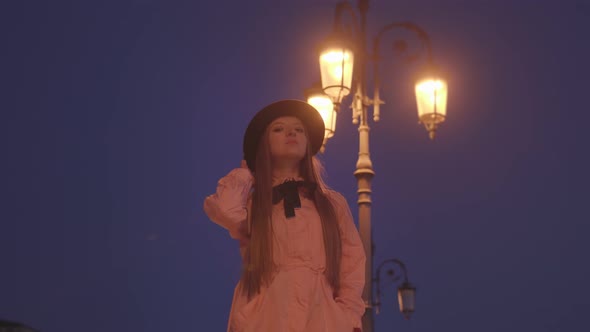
[[307, 114]]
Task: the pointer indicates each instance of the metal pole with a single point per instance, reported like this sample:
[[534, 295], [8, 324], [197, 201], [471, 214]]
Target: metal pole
[[364, 169]]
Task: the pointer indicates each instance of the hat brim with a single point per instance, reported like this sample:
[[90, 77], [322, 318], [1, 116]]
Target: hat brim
[[309, 116]]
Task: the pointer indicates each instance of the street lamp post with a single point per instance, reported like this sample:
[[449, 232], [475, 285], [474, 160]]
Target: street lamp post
[[343, 63]]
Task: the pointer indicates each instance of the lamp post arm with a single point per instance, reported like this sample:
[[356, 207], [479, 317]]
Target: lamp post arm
[[398, 263], [422, 35], [342, 7], [424, 38]]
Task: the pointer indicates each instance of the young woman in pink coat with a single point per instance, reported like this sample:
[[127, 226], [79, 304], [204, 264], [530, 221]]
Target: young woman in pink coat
[[303, 261]]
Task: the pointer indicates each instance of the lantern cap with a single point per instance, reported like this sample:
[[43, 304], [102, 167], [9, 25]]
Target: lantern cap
[[336, 40], [429, 70], [406, 285]]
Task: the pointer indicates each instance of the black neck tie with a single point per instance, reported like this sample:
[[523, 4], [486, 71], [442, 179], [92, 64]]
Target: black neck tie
[[288, 191]]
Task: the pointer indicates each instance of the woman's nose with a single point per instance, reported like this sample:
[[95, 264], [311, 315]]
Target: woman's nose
[[291, 132]]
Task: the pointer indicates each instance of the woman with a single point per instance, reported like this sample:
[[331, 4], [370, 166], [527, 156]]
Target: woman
[[303, 260]]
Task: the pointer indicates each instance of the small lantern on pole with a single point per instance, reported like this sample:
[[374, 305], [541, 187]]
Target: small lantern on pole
[[431, 99], [336, 63], [406, 297], [316, 97]]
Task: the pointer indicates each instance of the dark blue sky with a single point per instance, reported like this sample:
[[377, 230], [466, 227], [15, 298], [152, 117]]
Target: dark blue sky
[[118, 118]]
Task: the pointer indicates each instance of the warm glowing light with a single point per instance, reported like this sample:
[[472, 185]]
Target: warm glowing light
[[336, 71], [431, 97], [325, 107]]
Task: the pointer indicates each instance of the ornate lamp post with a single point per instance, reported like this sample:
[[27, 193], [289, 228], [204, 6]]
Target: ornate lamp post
[[343, 63]]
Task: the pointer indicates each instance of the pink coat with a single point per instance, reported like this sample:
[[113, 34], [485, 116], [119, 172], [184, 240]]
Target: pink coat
[[299, 297]]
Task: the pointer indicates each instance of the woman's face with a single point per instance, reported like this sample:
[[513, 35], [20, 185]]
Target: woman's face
[[287, 138]]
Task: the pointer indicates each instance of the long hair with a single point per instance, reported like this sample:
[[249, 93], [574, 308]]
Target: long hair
[[258, 257]]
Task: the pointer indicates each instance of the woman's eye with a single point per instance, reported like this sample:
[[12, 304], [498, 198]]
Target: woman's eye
[[277, 129], [299, 130]]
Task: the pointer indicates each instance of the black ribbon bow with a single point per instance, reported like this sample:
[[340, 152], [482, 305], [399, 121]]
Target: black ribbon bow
[[288, 191]]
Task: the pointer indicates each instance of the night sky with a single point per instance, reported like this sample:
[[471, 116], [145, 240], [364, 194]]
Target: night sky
[[118, 118]]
